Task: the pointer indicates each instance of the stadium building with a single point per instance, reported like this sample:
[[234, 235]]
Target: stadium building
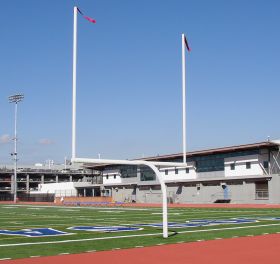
[[237, 174], [30, 180]]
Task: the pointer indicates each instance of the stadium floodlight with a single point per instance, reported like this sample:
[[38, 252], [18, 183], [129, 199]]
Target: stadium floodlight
[[15, 99]]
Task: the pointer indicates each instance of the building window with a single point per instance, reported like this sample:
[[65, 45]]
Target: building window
[[107, 177], [232, 166], [265, 164], [147, 174], [115, 176], [248, 165], [187, 170], [176, 171], [262, 192], [166, 172]]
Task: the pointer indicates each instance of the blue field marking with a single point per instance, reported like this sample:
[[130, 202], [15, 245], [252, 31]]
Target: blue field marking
[[92, 203], [224, 221], [104, 228], [203, 222], [34, 232]]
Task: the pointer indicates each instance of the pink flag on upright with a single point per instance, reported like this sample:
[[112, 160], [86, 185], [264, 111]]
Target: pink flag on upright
[[187, 45], [86, 17]]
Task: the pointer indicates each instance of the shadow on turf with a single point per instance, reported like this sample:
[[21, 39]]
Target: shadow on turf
[[174, 233]]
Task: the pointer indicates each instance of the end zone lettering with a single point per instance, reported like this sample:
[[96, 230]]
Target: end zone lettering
[[34, 232]]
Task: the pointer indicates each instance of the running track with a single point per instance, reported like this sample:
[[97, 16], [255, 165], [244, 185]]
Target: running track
[[245, 250]]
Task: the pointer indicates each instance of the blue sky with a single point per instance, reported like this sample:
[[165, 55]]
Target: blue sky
[[129, 76]]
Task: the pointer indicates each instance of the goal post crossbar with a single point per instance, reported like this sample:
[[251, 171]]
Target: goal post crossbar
[[129, 162]]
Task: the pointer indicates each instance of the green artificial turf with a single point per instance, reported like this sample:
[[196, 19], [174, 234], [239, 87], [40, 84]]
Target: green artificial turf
[[20, 217]]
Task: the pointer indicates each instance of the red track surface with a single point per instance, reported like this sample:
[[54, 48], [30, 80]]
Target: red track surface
[[245, 250]]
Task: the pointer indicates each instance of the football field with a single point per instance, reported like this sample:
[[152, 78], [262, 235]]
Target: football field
[[32, 230]]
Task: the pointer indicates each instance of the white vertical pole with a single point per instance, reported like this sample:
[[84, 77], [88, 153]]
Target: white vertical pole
[[184, 96], [15, 156], [65, 163], [164, 198], [74, 83], [164, 210]]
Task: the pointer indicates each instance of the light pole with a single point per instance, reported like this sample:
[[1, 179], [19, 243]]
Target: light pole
[[15, 99]]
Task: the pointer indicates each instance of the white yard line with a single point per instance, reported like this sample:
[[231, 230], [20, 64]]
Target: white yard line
[[88, 208]]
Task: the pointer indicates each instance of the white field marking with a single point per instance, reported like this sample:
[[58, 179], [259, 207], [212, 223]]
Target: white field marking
[[139, 246], [31, 217], [35, 208], [87, 219], [247, 214], [107, 218], [141, 216], [78, 218], [115, 212], [277, 232], [55, 225], [187, 210], [35, 256], [134, 217], [233, 217], [265, 233], [116, 248], [199, 240], [91, 208], [235, 236], [5, 259], [250, 235], [90, 251], [91, 219], [127, 236], [117, 222], [64, 224], [217, 238], [224, 212], [180, 242], [66, 253], [168, 213], [68, 210], [160, 244]]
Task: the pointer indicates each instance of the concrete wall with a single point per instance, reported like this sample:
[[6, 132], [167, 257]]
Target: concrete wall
[[240, 192], [123, 193], [274, 189]]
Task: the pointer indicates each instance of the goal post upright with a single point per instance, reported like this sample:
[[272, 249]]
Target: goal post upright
[[74, 88]]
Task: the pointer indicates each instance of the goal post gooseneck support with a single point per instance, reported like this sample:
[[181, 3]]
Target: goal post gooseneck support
[[149, 164]]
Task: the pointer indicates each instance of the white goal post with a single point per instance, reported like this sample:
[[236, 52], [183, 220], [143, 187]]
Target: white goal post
[[152, 165]]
